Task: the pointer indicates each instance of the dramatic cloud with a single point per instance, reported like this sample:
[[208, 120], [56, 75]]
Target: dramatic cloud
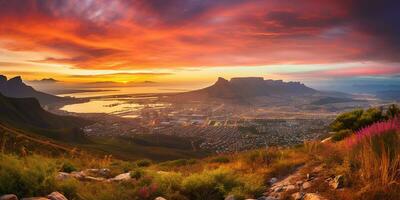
[[155, 34]]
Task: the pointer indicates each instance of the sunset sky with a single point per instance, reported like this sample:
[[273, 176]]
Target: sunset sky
[[198, 40]]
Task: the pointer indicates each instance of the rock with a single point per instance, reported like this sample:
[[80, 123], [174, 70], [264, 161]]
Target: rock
[[63, 176], [290, 187], [267, 198], [122, 177], [99, 172], [36, 198], [78, 175], [299, 183], [313, 196], [56, 196], [297, 196], [306, 185], [9, 197], [272, 181], [160, 198], [230, 197], [95, 179], [337, 182], [277, 189]]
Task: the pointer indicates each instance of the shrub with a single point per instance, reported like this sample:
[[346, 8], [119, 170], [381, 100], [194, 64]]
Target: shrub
[[32, 176], [67, 167], [178, 163], [169, 183], [357, 119], [220, 159], [342, 134], [137, 173], [144, 163], [375, 151], [392, 111], [210, 185]]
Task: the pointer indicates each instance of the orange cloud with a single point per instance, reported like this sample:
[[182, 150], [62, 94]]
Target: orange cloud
[[152, 34]]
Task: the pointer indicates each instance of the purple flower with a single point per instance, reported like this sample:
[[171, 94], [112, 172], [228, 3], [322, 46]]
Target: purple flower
[[375, 129]]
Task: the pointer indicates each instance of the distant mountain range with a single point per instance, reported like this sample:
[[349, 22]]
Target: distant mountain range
[[15, 87], [248, 87], [28, 115]]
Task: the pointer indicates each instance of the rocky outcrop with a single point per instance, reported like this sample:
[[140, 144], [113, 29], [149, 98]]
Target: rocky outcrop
[[93, 175], [15, 87], [56, 196], [337, 182], [52, 196], [122, 177], [8, 196], [313, 196]]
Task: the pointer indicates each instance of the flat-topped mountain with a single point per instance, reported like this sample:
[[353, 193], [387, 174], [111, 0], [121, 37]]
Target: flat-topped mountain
[[249, 87], [15, 87]]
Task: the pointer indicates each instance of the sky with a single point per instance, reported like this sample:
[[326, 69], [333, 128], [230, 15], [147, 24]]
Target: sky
[[196, 41]]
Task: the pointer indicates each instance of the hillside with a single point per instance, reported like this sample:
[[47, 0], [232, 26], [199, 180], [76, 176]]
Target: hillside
[[27, 114], [15, 87], [353, 168]]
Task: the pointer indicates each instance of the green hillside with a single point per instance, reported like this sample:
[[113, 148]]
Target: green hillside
[[28, 115]]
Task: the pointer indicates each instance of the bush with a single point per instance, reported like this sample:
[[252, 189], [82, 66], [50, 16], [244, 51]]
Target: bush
[[342, 134], [220, 159], [33, 176], [210, 185], [144, 163], [67, 167], [392, 111], [375, 151], [178, 163], [357, 119], [137, 173]]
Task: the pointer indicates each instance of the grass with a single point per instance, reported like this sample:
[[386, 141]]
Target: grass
[[244, 176], [369, 161]]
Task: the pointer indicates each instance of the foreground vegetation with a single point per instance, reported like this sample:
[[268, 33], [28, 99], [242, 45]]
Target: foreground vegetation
[[243, 175], [368, 159]]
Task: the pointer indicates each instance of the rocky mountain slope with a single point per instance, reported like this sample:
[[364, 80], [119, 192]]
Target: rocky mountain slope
[[15, 87]]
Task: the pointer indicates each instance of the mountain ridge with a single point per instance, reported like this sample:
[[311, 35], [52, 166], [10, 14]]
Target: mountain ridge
[[27, 114], [15, 87], [242, 88]]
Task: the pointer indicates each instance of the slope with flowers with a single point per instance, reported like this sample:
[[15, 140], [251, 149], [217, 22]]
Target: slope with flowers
[[363, 165]]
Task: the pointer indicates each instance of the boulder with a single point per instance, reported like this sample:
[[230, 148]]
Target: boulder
[[313, 196], [299, 183], [63, 176], [98, 172], [94, 179], [306, 185], [290, 187], [267, 198], [230, 197], [36, 198], [9, 197], [78, 175], [56, 196], [297, 196], [277, 189], [122, 177], [337, 182], [160, 198], [272, 181]]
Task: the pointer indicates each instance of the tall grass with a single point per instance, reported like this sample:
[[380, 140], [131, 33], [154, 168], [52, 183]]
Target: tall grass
[[375, 151]]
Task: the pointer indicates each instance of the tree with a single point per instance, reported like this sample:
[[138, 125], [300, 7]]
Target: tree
[[392, 111]]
